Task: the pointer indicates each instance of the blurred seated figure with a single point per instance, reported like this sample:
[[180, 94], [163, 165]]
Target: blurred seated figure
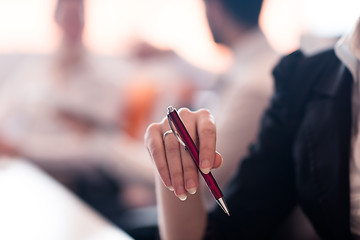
[[244, 91], [50, 105], [79, 116], [63, 112]]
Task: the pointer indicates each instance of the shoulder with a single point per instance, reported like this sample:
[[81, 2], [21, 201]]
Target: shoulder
[[297, 69], [298, 59]]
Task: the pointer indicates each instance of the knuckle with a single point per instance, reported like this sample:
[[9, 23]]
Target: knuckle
[[204, 111], [206, 115], [151, 129], [184, 112], [154, 126], [164, 122]]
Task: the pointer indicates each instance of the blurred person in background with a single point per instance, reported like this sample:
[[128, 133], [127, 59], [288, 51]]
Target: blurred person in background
[[118, 113], [244, 91], [115, 113], [63, 113], [82, 117]]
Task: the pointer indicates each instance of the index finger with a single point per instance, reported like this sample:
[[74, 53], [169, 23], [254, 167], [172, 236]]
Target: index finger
[[207, 140]]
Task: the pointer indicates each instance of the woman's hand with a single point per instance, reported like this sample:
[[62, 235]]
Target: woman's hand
[[176, 168]]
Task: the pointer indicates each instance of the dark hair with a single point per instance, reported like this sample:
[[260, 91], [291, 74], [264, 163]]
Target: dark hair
[[245, 12]]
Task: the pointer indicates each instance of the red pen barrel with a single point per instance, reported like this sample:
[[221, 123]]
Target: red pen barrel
[[214, 188], [209, 179], [194, 152]]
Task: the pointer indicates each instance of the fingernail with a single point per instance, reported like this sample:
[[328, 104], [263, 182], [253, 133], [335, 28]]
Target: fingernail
[[192, 190], [182, 197], [190, 186], [205, 166], [171, 188], [206, 170]]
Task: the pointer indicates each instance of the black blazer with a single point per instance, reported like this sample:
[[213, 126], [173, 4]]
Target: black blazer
[[301, 155]]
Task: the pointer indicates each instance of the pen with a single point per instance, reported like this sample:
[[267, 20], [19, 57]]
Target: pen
[[184, 138]]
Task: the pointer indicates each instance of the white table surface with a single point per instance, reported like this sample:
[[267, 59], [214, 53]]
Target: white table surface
[[35, 206]]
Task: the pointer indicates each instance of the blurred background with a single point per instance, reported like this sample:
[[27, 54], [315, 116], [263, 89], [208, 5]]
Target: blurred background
[[81, 80], [114, 26]]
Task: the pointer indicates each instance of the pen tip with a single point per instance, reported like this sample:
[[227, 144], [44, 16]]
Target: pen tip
[[222, 204]]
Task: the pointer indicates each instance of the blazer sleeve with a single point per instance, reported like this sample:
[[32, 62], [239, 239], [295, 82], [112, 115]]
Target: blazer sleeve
[[262, 192]]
